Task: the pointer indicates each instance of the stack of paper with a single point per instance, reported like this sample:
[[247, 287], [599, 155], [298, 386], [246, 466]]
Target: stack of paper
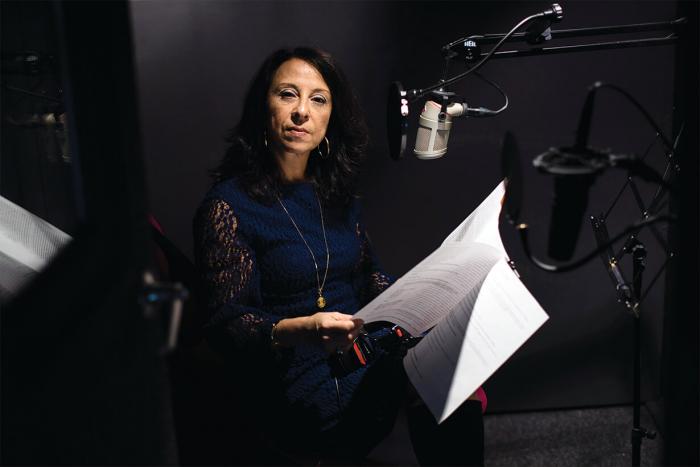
[[472, 301]]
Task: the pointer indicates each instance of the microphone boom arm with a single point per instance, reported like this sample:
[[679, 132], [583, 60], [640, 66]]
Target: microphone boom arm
[[512, 35], [579, 32]]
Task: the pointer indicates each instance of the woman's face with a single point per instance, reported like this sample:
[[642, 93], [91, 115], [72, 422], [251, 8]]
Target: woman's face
[[299, 107]]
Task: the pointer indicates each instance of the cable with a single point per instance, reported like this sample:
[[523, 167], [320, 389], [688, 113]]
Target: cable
[[421, 92], [522, 229], [484, 112], [639, 107]]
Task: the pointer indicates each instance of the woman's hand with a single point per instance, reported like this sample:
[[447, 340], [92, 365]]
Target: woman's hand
[[330, 329], [336, 331]]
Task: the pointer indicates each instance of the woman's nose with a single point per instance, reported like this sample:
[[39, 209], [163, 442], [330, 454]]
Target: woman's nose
[[301, 113]]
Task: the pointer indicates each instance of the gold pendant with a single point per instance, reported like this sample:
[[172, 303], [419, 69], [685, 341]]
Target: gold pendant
[[321, 302]]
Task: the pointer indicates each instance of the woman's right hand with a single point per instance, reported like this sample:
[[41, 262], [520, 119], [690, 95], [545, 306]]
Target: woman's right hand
[[330, 329]]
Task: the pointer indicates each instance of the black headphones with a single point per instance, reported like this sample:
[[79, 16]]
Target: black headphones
[[366, 348]]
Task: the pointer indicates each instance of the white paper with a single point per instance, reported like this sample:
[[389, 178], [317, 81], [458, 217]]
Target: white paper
[[483, 331], [481, 226], [429, 291], [27, 245], [479, 311]]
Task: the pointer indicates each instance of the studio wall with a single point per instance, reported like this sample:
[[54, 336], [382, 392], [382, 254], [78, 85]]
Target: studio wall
[[194, 62]]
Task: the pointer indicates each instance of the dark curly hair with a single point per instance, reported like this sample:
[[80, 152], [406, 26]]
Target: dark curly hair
[[249, 160]]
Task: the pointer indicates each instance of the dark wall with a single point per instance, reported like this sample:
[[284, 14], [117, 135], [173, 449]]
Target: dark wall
[[195, 60]]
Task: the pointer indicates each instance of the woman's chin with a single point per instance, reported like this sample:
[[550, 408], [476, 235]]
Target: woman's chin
[[296, 149]]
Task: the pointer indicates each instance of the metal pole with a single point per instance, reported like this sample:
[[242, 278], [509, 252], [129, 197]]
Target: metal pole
[[639, 254]]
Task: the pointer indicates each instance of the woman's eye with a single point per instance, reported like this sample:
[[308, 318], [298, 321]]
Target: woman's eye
[[319, 99], [287, 94]]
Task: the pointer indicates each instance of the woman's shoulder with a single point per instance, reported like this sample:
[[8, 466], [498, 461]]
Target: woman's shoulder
[[231, 196], [229, 190], [225, 203]]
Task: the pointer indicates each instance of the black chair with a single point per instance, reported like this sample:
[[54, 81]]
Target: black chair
[[210, 420]]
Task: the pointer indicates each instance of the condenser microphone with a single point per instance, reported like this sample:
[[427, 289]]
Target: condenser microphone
[[575, 169], [434, 129]]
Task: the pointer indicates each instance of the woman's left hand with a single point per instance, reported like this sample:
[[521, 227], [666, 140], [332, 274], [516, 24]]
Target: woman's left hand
[[335, 330], [331, 329]]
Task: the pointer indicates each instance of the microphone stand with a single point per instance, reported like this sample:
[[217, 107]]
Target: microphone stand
[[583, 32], [631, 299], [469, 48], [639, 254]]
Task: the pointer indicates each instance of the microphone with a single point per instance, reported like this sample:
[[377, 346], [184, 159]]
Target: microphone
[[575, 169], [434, 129]]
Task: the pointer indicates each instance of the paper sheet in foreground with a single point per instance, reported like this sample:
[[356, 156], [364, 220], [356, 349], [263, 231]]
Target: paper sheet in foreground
[[479, 310]]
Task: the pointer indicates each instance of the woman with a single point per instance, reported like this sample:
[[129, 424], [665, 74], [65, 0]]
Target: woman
[[285, 261]]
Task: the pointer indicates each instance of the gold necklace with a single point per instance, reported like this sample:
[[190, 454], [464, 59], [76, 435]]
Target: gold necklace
[[320, 301]]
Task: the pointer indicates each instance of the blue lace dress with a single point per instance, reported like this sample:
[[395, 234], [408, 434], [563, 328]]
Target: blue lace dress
[[256, 270]]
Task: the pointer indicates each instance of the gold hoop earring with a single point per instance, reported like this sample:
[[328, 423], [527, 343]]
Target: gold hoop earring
[[328, 148]]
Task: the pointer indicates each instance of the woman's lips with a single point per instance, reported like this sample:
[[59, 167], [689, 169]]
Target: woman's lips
[[298, 132]]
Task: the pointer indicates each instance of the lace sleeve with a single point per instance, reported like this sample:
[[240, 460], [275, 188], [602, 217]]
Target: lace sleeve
[[229, 277], [374, 280]]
